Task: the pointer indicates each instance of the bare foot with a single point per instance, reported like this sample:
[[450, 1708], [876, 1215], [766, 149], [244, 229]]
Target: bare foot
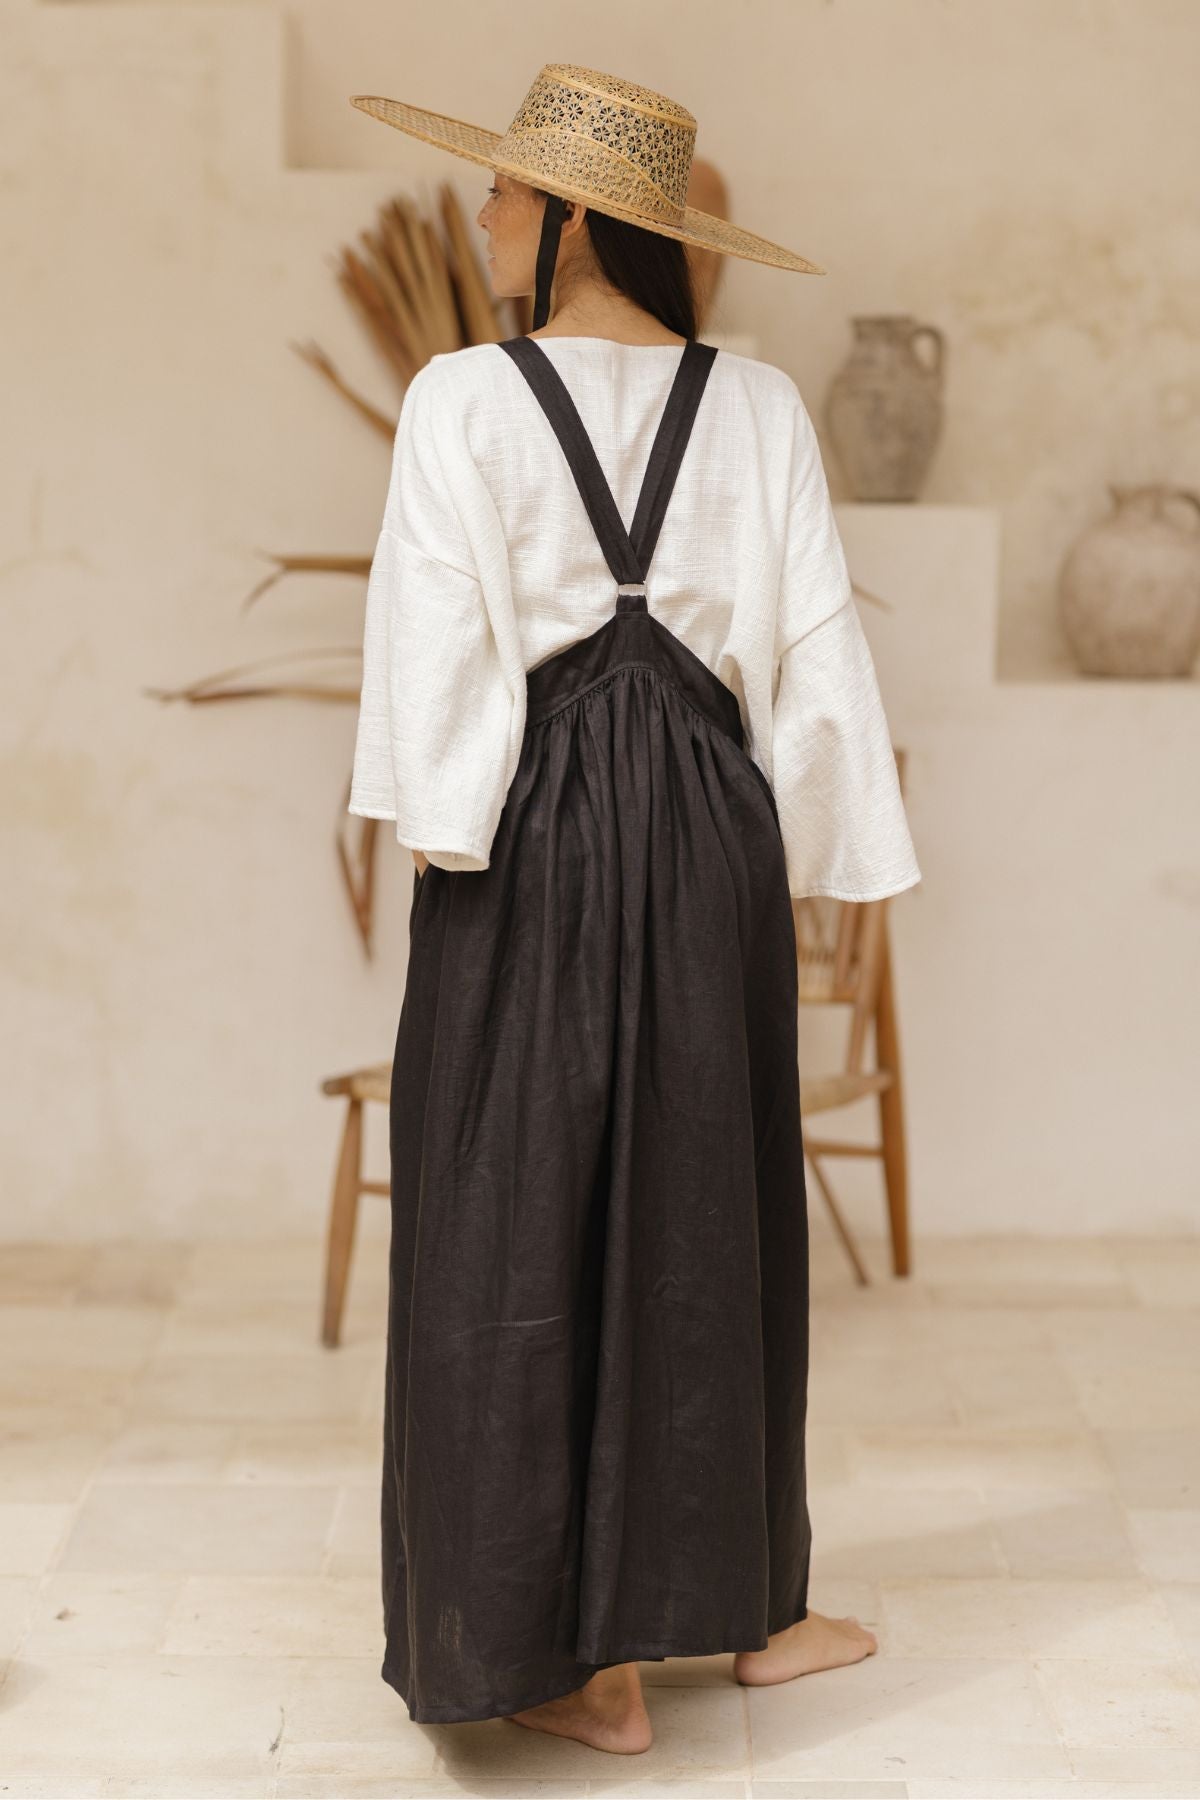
[[608, 1712], [812, 1643]]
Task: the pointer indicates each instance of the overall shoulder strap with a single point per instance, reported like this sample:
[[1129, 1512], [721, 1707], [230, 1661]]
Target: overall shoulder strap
[[627, 556], [670, 442]]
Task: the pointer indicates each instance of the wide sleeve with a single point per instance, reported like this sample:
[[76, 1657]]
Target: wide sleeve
[[436, 707], [834, 773]]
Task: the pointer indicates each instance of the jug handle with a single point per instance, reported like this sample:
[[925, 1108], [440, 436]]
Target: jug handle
[[936, 338]]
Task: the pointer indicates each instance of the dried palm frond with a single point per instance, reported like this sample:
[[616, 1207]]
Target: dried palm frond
[[416, 246], [875, 599], [306, 565], [362, 289], [214, 687], [354, 846], [314, 355], [416, 297], [480, 324]]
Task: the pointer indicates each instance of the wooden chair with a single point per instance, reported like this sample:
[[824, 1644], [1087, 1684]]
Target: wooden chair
[[844, 958], [358, 1086]]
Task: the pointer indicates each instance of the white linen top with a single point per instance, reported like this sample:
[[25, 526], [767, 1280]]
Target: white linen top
[[487, 563]]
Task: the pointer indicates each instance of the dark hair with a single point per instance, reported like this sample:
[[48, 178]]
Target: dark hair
[[648, 267]]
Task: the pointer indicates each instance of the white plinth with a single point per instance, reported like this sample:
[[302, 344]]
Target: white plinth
[[1048, 965]]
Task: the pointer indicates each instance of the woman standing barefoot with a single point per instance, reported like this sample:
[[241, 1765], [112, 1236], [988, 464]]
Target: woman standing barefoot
[[618, 753]]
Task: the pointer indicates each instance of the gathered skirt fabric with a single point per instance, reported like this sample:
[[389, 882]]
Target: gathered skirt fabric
[[597, 1341]]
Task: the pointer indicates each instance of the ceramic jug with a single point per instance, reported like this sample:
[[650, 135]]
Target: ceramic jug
[[1129, 588], [883, 411]]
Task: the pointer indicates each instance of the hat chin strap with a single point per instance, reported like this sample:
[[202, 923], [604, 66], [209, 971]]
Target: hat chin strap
[[547, 256]]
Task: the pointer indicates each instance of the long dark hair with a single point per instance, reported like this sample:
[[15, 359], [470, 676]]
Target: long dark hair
[[648, 267]]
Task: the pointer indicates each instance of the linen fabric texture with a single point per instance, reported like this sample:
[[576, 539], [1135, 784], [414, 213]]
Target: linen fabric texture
[[487, 565]]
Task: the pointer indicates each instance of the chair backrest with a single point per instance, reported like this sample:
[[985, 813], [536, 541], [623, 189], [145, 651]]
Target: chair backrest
[[841, 948]]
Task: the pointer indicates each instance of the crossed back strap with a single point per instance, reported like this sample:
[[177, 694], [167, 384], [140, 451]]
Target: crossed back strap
[[627, 553]]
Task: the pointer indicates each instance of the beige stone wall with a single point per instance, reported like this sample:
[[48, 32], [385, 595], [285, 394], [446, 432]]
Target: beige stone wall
[[178, 970]]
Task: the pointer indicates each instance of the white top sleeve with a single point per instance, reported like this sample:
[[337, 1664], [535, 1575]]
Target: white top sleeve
[[833, 767], [436, 710]]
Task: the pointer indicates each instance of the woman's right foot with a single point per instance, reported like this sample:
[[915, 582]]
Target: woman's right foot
[[812, 1643], [608, 1712]]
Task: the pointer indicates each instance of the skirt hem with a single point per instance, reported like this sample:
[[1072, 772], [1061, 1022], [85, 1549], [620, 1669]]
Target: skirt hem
[[451, 1715]]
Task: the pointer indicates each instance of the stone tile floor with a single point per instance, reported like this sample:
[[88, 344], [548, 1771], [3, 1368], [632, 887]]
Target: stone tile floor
[[1005, 1483]]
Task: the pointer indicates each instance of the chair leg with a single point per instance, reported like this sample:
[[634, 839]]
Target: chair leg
[[891, 1118], [343, 1217], [840, 1225]]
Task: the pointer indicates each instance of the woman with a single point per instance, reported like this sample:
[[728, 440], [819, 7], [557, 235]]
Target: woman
[[612, 779]]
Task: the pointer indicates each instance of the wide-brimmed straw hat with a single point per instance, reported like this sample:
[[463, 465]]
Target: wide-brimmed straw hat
[[613, 145]]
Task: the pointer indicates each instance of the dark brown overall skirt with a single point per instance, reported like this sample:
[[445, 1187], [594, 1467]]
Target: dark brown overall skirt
[[597, 1348]]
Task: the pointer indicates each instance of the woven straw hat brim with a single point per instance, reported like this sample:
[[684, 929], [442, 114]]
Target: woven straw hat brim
[[703, 229]]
